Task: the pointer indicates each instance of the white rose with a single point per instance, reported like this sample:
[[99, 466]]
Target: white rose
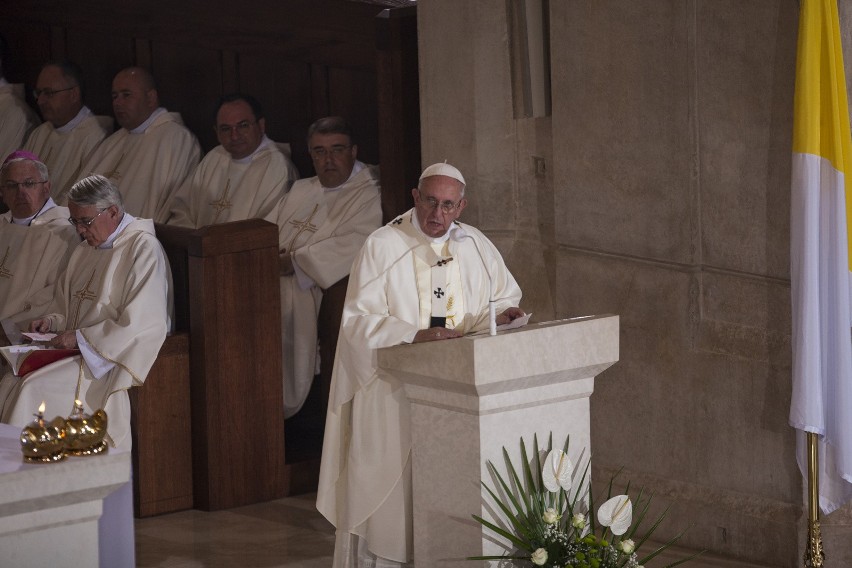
[[627, 546], [539, 557], [550, 516], [578, 521]]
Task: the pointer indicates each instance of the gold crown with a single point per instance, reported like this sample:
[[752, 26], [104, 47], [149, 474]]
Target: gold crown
[[43, 442], [84, 434]]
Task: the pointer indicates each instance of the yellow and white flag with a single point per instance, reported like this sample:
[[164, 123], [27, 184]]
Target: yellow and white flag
[[819, 252]]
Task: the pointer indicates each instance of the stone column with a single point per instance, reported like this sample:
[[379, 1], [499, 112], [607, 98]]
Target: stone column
[[473, 396]]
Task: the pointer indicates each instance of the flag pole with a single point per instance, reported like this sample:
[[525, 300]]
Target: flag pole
[[813, 554]]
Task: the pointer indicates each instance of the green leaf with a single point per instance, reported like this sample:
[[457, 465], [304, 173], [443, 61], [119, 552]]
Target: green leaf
[[523, 545]]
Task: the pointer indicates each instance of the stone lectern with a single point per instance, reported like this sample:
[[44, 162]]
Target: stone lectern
[[473, 396]]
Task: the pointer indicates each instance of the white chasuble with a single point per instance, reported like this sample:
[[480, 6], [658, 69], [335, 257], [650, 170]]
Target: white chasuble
[[365, 477], [31, 259], [64, 153], [322, 230], [149, 166], [17, 119], [223, 189], [118, 299], [54, 219]]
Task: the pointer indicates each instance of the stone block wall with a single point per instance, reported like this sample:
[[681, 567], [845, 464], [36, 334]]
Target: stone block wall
[[666, 201]]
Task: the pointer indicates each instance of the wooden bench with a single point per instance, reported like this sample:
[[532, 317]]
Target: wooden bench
[[208, 424]]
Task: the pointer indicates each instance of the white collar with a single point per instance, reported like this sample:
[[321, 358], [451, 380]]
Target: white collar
[[126, 220], [74, 122], [144, 126], [264, 142], [48, 205], [356, 167]]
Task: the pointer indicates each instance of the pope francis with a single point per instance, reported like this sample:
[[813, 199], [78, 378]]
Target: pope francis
[[422, 277], [111, 303]]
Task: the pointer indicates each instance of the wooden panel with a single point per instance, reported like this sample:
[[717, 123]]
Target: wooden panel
[[237, 392], [101, 55], [160, 427], [189, 80], [352, 94], [399, 104], [175, 241], [284, 90]]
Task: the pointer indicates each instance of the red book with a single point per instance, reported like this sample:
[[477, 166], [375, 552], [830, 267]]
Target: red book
[[25, 362]]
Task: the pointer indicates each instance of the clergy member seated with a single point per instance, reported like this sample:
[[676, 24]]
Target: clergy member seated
[[34, 239], [152, 153], [422, 277], [110, 303], [322, 222], [26, 192], [70, 131], [17, 119], [242, 178]]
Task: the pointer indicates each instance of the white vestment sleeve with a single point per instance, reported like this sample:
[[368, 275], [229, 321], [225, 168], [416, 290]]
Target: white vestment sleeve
[[97, 364]]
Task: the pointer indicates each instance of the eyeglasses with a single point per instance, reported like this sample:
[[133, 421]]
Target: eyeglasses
[[28, 184], [48, 92], [336, 151], [83, 222], [240, 127], [432, 203]]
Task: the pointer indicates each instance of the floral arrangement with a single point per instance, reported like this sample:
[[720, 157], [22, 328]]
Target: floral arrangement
[[551, 526]]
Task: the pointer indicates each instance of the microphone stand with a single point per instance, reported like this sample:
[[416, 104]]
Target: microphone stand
[[458, 235]]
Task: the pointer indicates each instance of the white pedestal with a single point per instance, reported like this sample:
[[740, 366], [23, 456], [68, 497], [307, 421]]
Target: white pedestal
[[49, 512], [475, 395]]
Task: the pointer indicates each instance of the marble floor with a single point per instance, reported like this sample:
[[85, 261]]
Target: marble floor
[[284, 533]]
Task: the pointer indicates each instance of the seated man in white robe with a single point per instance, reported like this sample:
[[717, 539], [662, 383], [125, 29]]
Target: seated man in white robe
[[421, 277], [70, 131], [322, 224], [27, 195], [35, 238], [111, 303], [152, 153], [17, 119], [243, 178]]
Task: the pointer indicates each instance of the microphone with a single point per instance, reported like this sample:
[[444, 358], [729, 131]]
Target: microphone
[[459, 234]]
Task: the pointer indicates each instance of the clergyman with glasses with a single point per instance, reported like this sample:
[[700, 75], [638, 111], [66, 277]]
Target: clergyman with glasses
[[35, 238], [421, 277], [322, 223], [111, 303], [243, 178], [70, 131], [152, 154]]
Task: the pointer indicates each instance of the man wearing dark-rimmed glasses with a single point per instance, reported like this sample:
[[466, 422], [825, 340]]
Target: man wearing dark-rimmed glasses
[[70, 131], [243, 178]]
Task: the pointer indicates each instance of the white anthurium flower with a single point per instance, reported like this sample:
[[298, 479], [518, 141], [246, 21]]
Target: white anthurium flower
[[617, 514], [557, 470]]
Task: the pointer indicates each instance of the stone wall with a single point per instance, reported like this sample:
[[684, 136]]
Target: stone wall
[[666, 201]]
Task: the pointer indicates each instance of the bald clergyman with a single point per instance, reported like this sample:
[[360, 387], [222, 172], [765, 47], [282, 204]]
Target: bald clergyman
[[152, 153]]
